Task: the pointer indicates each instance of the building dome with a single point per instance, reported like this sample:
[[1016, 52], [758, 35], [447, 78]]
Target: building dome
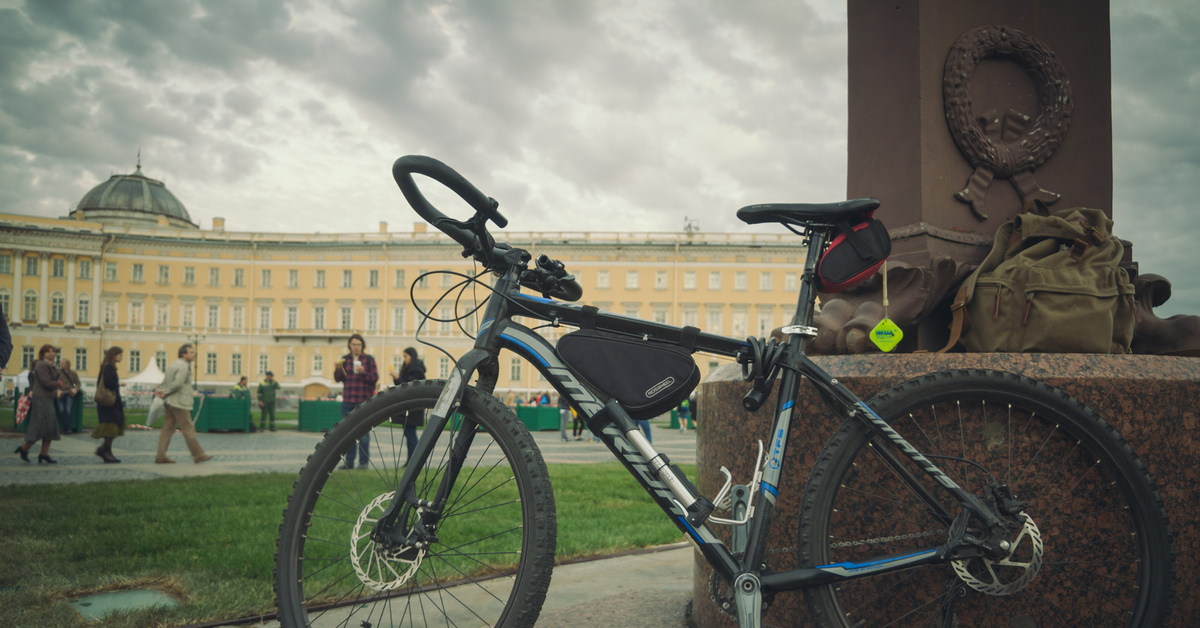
[[133, 199]]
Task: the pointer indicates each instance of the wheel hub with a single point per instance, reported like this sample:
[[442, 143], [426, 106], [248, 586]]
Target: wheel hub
[[379, 567], [1011, 573]]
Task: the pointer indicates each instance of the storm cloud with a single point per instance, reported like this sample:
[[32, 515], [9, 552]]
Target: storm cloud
[[581, 115]]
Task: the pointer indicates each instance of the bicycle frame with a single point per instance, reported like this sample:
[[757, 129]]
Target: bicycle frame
[[664, 483]]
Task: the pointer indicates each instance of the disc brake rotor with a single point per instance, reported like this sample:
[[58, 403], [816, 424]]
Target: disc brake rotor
[[377, 567], [981, 573]]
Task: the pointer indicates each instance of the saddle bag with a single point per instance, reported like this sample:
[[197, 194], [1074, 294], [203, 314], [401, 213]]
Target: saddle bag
[[647, 378], [854, 254]]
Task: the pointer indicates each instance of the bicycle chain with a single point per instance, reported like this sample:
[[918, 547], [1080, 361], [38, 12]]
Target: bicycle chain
[[889, 539]]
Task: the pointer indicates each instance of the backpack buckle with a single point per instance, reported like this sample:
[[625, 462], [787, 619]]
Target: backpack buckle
[[1078, 249]]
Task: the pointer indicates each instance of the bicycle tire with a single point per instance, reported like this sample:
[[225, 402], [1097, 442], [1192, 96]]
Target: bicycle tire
[[1108, 559], [496, 541]]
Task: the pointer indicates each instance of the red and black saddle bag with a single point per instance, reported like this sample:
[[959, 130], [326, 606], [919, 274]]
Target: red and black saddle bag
[[856, 253]]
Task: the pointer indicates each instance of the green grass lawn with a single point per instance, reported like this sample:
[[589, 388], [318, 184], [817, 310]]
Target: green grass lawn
[[210, 541]]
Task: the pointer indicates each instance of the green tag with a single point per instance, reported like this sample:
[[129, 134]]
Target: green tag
[[886, 335]]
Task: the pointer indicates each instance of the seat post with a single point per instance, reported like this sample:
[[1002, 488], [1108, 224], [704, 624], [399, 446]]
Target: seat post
[[817, 237]]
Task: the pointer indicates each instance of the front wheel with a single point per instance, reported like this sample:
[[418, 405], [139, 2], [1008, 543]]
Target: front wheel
[[494, 552], [1092, 548]]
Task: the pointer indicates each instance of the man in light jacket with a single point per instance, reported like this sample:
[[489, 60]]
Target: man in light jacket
[[176, 392]]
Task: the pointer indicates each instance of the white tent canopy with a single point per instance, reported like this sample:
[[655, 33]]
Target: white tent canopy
[[152, 375]]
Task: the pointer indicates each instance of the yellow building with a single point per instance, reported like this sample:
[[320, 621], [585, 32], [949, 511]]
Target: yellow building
[[130, 268]]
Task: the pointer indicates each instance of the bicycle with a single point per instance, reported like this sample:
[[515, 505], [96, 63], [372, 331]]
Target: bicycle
[[1040, 513]]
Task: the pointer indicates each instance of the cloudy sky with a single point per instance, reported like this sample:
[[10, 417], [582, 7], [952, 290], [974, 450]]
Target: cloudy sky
[[577, 115]]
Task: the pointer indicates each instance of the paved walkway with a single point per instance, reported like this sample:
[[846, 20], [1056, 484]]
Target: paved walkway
[[284, 451]]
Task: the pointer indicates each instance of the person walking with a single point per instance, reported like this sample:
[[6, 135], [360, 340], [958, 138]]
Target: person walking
[[412, 370], [176, 392], [685, 413], [266, 401], [356, 370], [578, 427], [112, 418], [66, 403], [564, 416], [42, 422]]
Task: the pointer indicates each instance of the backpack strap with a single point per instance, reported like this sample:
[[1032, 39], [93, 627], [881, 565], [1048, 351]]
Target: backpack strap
[[854, 238], [961, 322]]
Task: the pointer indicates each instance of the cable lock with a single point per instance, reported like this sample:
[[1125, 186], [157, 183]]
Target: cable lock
[[760, 360]]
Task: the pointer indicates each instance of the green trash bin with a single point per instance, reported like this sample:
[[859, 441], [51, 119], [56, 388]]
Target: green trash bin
[[220, 413], [538, 418], [319, 415]]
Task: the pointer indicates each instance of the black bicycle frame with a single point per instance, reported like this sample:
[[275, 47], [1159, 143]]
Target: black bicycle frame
[[652, 470]]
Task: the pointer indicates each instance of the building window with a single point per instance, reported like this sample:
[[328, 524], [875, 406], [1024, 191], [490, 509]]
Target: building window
[[399, 278], [85, 269], [210, 363], [689, 280], [162, 314], [293, 317], [31, 266], [266, 278], [689, 318], [81, 363], [660, 315], [373, 279], [660, 280], [714, 322], [443, 367], [289, 365], [347, 318], [397, 364], [31, 305], [714, 280], [739, 280], [212, 317], [765, 324], [347, 279], [320, 281], [631, 311], [110, 312], [83, 310], [739, 325], [187, 315], [423, 279], [138, 274], [398, 319], [602, 281], [447, 280], [263, 364], [58, 268], [58, 307], [631, 280], [214, 277], [319, 317], [5, 264], [372, 319], [4, 303], [293, 278], [135, 361], [514, 370], [26, 356], [264, 317], [110, 271], [235, 364], [160, 358], [189, 275], [164, 275], [137, 313], [237, 319], [318, 364], [239, 278], [764, 282], [789, 282], [445, 314]]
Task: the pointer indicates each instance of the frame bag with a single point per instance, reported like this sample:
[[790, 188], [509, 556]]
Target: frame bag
[[647, 378], [854, 254]]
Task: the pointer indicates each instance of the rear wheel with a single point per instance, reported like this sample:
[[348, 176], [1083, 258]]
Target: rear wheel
[[495, 544], [1094, 550]]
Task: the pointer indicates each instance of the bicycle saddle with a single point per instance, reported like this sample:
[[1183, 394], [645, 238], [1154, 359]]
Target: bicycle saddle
[[806, 213]]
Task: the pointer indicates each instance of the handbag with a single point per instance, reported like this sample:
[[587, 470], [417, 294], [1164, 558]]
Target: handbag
[[104, 397], [23, 404]]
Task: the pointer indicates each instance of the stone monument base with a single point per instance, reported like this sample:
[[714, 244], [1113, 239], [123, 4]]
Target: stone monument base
[[1154, 402]]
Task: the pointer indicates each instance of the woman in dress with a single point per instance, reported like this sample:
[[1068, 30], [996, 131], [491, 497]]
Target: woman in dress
[[112, 418], [412, 370], [43, 416]]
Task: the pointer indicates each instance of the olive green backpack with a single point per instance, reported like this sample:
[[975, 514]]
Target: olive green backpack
[[1049, 285]]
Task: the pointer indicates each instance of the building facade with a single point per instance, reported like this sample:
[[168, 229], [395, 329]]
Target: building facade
[[287, 302]]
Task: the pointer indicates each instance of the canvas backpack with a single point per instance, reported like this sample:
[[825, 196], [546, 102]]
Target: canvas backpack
[[1050, 284]]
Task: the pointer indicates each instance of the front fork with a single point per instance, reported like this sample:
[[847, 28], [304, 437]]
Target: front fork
[[424, 529]]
